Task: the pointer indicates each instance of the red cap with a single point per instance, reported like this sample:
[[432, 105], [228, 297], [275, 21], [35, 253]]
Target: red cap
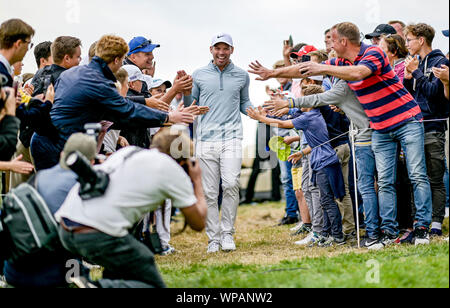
[[303, 52]]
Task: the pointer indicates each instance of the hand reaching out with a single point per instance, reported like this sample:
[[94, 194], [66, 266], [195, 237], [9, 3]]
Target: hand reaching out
[[257, 69]]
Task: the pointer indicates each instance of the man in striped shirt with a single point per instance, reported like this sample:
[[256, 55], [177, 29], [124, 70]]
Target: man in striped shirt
[[395, 117]]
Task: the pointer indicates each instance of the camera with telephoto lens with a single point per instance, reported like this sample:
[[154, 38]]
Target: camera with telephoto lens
[[93, 183], [93, 129]]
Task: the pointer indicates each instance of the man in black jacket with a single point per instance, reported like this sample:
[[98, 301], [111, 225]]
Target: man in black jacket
[[66, 52]]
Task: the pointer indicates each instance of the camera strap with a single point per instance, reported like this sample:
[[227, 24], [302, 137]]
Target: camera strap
[[127, 157]]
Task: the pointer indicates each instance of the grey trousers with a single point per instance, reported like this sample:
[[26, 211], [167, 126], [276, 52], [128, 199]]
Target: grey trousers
[[221, 161], [163, 223], [346, 207], [127, 262], [312, 196]]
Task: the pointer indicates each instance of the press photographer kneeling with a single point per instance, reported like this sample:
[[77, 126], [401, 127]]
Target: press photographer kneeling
[[140, 181]]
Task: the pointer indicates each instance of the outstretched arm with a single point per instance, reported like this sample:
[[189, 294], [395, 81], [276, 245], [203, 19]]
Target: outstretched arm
[[266, 74], [260, 115]]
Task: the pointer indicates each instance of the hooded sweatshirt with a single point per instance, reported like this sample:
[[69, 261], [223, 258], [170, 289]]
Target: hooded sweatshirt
[[428, 91]]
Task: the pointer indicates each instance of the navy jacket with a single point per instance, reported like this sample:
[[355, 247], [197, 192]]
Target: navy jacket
[[87, 94], [428, 91]]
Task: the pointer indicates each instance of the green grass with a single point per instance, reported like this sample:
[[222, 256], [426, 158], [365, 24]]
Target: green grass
[[267, 258], [406, 267]]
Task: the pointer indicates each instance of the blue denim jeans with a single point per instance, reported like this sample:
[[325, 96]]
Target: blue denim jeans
[[286, 180], [365, 160], [384, 145], [332, 218]]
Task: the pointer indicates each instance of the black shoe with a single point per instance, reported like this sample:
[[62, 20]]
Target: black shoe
[[421, 236], [287, 221]]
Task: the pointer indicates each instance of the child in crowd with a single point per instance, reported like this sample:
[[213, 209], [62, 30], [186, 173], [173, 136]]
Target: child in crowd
[[325, 166]]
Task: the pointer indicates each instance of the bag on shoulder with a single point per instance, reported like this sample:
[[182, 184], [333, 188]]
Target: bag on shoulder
[[28, 223]]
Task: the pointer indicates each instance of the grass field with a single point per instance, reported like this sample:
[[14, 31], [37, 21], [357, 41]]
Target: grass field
[[267, 258]]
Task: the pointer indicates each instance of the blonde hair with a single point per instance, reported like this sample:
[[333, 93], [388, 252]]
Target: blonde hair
[[321, 55], [121, 75], [332, 54], [279, 64], [173, 142], [312, 89], [110, 47]]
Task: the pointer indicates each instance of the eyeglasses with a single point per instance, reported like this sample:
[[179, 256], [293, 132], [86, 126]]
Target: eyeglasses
[[147, 43], [31, 44]]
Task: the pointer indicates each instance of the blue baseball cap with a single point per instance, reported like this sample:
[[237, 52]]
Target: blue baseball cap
[[141, 44], [445, 32]]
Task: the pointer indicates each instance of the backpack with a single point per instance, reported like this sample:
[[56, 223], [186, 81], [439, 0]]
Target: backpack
[[28, 225]]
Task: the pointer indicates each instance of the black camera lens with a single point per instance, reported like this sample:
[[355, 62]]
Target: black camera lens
[[81, 166]]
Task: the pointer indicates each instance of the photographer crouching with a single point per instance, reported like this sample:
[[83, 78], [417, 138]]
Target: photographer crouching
[[98, 228]]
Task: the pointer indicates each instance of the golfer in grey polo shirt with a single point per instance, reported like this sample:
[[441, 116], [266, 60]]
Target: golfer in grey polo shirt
[[224, 88]]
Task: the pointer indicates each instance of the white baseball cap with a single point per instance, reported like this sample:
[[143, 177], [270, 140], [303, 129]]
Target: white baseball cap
[[134, 73], [222, 38], [156, 83]]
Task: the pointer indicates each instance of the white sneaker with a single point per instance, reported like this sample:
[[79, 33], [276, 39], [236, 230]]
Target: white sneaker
[[3, 284], [228, 243], [213, 247], [306, 241], [169, 250], [297, 227]]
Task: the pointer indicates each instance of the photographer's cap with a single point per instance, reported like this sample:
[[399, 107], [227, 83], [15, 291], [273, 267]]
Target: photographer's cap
[[82, 143], [222, 38], [134, 73]]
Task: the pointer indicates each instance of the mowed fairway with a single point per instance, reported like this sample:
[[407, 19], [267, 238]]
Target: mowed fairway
[[267, 258]]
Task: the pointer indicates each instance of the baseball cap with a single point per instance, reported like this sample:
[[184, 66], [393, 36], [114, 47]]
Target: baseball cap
[[222, 38], [380, 30], [303, 52], [85, 144], [445, 32], [134, 73], [159, 82], [141, 44]]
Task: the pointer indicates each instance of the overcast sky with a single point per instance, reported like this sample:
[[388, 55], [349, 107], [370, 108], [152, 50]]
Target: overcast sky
[[185, 28]]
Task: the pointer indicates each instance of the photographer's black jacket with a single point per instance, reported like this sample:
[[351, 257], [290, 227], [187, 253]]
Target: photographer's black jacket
[[9, 126]]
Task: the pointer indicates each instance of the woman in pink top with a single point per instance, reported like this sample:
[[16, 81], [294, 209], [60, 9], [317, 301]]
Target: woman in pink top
[[395, 48]]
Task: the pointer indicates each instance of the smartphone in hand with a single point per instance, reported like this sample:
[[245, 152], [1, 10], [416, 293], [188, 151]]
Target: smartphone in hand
[[291, 41]]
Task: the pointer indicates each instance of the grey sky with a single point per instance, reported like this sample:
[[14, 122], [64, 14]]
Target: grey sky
[[185, 28]]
